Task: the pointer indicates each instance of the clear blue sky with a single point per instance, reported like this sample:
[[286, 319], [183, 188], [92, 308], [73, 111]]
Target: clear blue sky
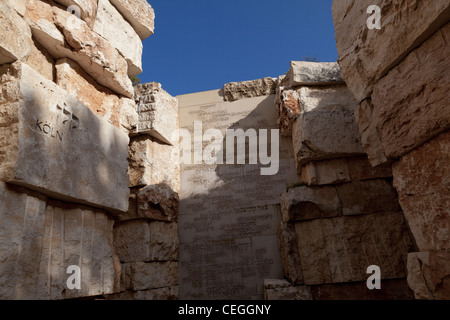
[[200, 45]]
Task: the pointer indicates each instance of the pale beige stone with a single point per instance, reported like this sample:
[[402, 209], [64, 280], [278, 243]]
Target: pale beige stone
[[249, 89], [41, 61], [128, 116], [110, 24], [290, 256], [40, 239], [411, 101], [429, 274], [158, 113], [341, 249], [366, 55], [88, 9], [326, 172], [422, 180], [303, 73], [322, 98], [283, 290], [153, 275], [305, 203], [53, 143], [366, 197], [158, 202], [102, 101], [19, 6], [151, 162], [325, 133], [76, 41], [15, 40], [144, 241], [139, 14]]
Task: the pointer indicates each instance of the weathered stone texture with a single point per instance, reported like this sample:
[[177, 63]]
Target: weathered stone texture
[[283, 290], [153, 275], [326, 172], [367, 55], [366, 197], [396, 289], [144, 241], [15, 40], [40, 239], [326, 133], [139, 14], [158, 113], [163, 294], [340, 249], [234, 91], [304, 73], [158, 202], [48, 140], [41, 61], [305, 203], [361, 169], [78, 83], [151, 162], [422, 179], [88, 9], [76, 41], [429, 274], [411, 101], [288, 110], [290, 256], [110, 24]]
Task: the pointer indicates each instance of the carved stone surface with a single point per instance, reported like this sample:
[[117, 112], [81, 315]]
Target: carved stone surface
[[150, 275], [53, 143], [341, 249], [40, 239], [283, 290], [422, 181]]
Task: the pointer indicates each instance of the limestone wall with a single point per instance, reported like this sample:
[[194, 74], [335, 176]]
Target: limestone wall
[[399, 77], [343, 215], [67, 111]]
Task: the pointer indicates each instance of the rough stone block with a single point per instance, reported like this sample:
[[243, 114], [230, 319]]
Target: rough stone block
[[139, 14], [283, 290], [15, 40], [128, 116], [76, 41], [341, 249], [110, 24], [290, 256], [429, 274], [144, 241], [151, 162], [396, 289], [326, 172], [158, 202], [327, 131], [143, 276], [367, 55], [304, 73], [158, 113], [305, 203], [19, 6], [288, 110], [411, 103], [234, 91], [366, 197], [53, 143], [40, 239], [41, 61], [88, 9], [361, 169], [102, 101], [422, 180]]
